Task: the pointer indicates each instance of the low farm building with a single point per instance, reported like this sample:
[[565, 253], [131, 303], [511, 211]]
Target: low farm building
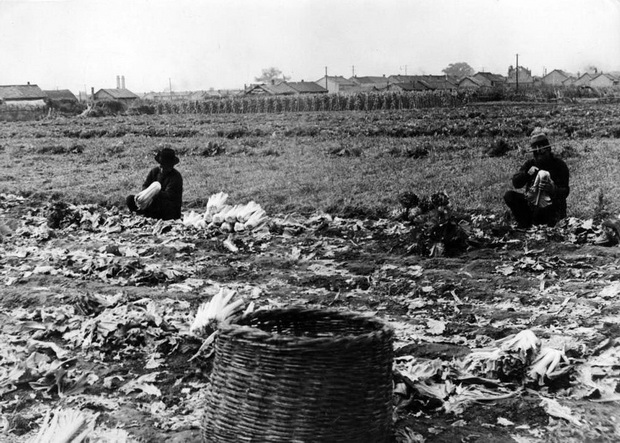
[[489, 79], [122, 95], [285, 88], [469, 83], [555, 78], [520, 76], [371, 82], [337, 84], [22, 95], [412, 86], [61, 95], [603, 81], [583, 80]]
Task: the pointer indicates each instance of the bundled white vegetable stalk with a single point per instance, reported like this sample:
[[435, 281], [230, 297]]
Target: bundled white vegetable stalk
[[537, 196], [547, 365], [145, 198], [525, 343], [228, 218], [215, 204], [194, 219], [66, 426], [218, 310], [509, 359]]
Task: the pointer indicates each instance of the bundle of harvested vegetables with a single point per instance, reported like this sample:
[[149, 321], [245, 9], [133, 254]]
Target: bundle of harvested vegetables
[[145, 198], [218, 310], [66, 426]]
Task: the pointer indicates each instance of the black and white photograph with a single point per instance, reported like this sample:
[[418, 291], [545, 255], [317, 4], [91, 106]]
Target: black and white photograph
[[309, 221]]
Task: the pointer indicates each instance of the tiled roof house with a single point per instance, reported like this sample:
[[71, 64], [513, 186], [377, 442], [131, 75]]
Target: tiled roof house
[[22, 94], [489, 79], [115, 94], [583, 80], [61, 94], [604, 81], [469, 83], [412, 86], [370, 82], [555, 77], [524, 77], [337, 83]]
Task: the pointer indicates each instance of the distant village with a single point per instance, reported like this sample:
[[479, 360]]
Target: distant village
[[520, 77]]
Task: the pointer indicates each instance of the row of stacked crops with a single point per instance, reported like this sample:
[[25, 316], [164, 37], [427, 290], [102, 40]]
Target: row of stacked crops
[[361, 101]]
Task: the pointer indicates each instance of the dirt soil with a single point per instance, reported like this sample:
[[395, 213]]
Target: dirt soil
[[96, 307]]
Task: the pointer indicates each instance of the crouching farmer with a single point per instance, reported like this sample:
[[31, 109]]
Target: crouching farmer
[[162, 191], [545, 182]]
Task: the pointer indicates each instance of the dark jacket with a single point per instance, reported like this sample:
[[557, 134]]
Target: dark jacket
[[559, 174], [167, 204]]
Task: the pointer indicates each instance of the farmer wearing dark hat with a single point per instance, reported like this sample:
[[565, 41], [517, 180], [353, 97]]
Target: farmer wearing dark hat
[[545, 182], [162, 191]]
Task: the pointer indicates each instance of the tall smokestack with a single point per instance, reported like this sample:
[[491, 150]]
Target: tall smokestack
[[118, 82], [123, 82]]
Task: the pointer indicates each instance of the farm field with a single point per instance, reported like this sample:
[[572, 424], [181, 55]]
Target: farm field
[[96, 303]]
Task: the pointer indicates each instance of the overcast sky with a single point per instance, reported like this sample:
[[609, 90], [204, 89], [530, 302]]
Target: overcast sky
[[202, 44]]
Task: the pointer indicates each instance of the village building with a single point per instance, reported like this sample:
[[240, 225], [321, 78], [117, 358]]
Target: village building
[[124, 96], [370, 83], [436, 82], [303, 87], [583, 80], [403, 78], [63, 95], [603, 81], [488, 79], [174, 96], [270, 89], [469, 83], [555, 78], [440, 82], [285, 88], [519, 77], [413, 86], [337, 84], [570, 81], [120, 94], [22, 95]]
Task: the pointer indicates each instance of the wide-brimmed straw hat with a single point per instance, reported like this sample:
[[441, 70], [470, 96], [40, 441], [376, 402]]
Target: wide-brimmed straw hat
[[539, 142], [167, 156]]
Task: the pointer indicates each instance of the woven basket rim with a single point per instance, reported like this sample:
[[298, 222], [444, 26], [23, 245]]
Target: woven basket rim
[[380, 328]]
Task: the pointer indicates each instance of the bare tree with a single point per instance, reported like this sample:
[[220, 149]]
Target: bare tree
[[270, 74]]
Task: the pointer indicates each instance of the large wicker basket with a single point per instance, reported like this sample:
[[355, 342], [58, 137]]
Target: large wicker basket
[[301, 375]]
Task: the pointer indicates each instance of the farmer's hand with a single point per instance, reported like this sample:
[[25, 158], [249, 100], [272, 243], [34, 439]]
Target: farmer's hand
[[547, 187], [533, 170]]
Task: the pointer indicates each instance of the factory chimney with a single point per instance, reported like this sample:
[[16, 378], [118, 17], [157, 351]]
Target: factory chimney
[[123, 82], [118, 82]]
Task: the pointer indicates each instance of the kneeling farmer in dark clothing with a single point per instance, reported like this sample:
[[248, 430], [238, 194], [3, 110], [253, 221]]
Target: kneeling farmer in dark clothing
[[545, 178], [162, 191]]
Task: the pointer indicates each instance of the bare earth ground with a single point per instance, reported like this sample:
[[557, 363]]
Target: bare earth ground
[[95, 316]]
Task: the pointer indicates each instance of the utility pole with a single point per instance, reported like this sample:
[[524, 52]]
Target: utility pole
[[326, 79], [405, 69], [517, 73], [170, 83], [353, 71]]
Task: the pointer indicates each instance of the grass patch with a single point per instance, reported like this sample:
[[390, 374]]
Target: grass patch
[[284, 163]]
